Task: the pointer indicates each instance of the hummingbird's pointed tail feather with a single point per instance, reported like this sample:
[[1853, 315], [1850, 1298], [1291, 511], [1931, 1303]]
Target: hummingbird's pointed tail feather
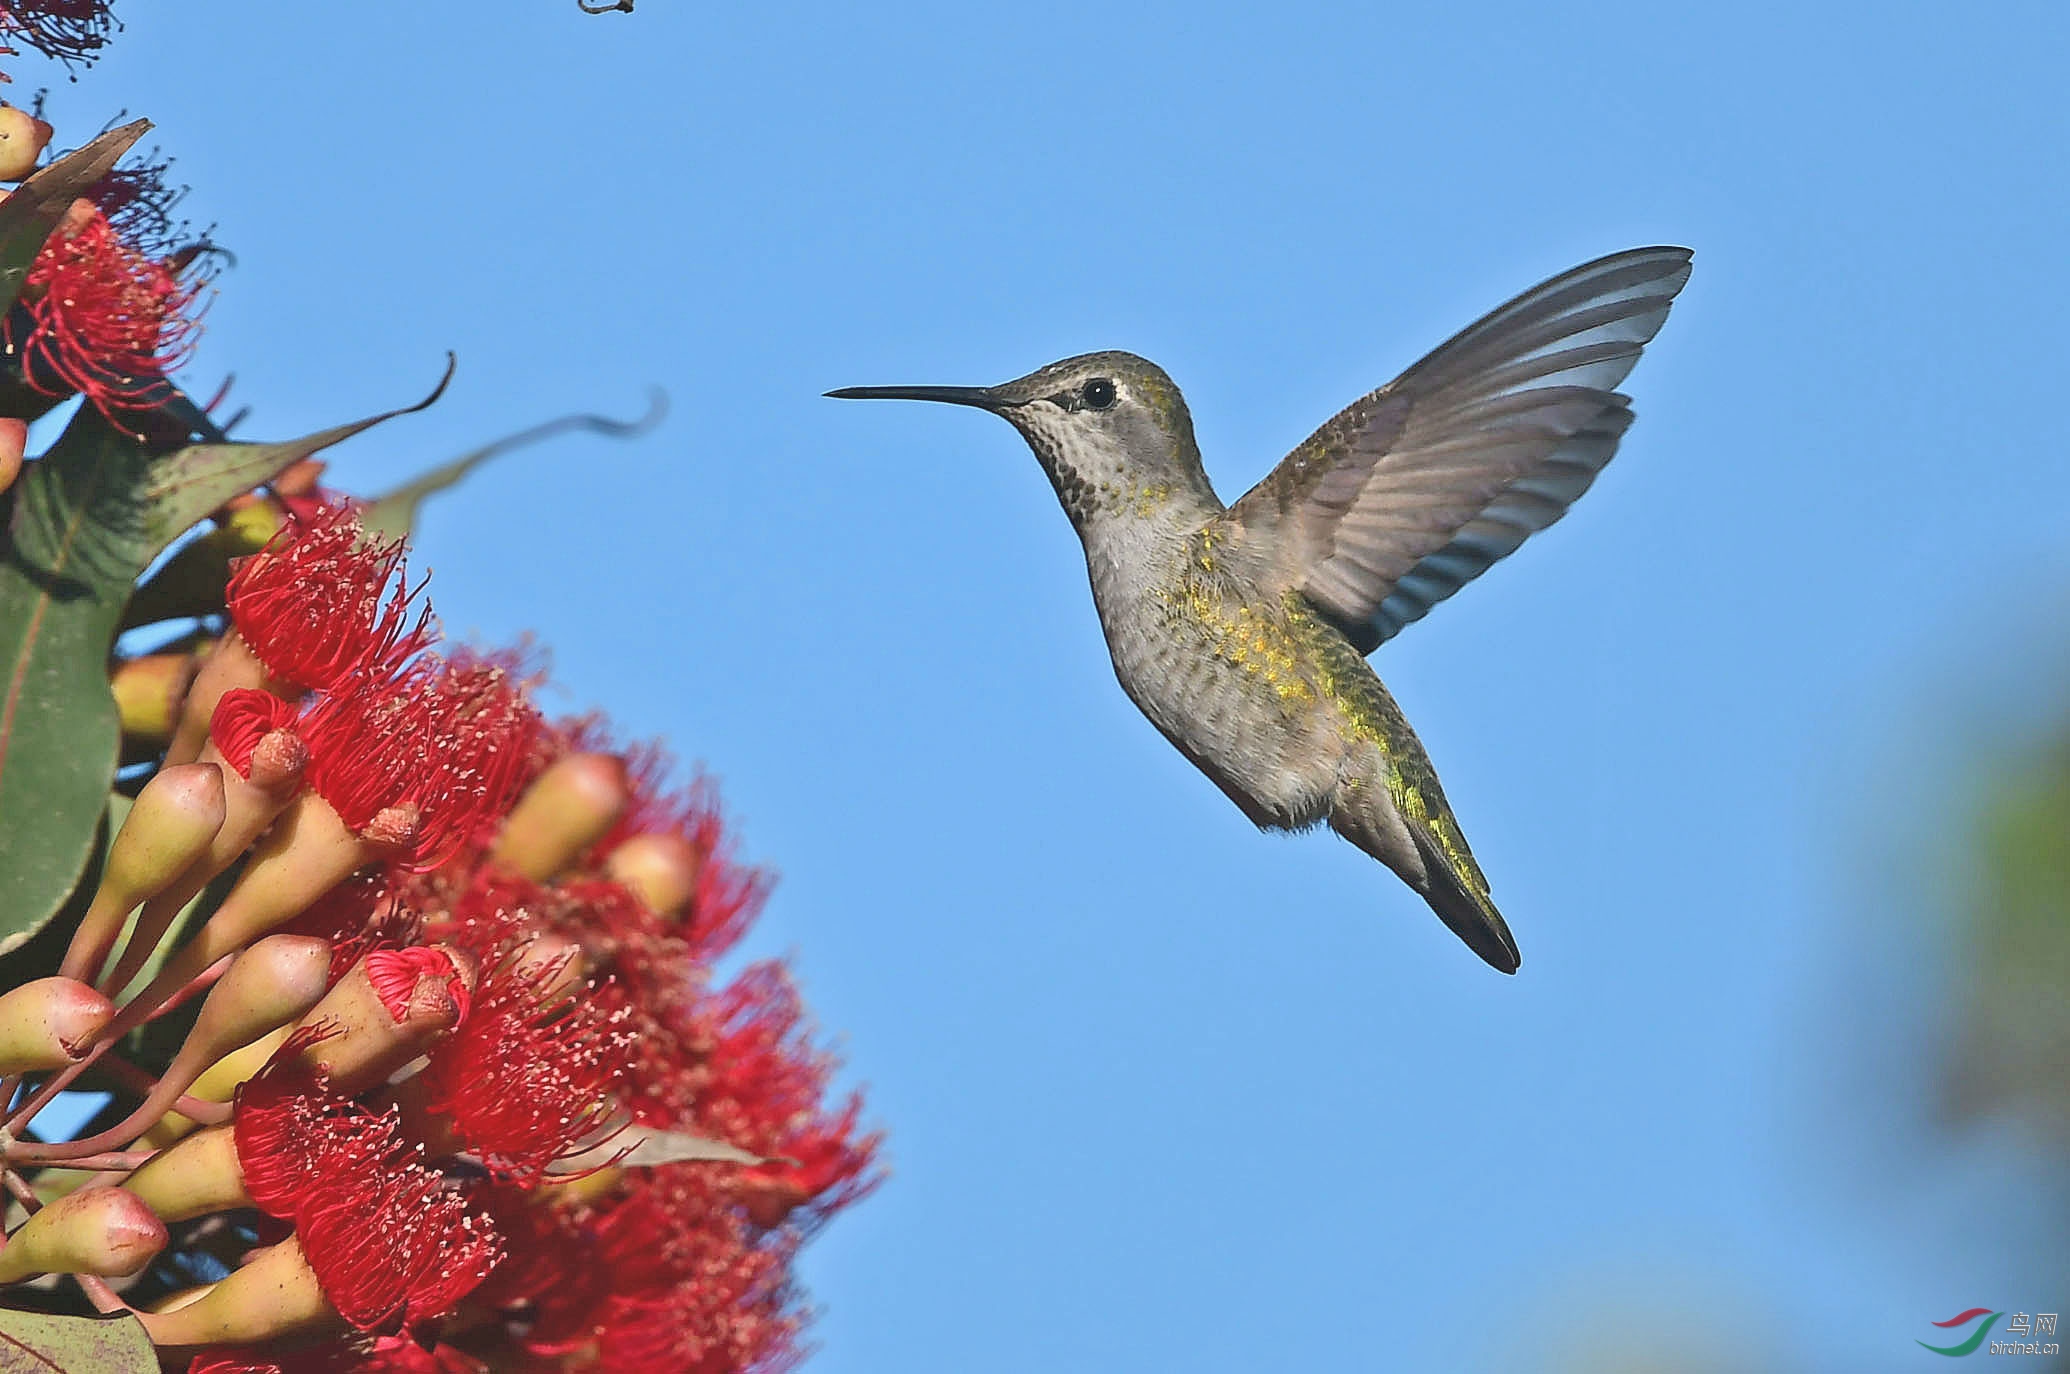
[[1435, 860], [1464, 904]]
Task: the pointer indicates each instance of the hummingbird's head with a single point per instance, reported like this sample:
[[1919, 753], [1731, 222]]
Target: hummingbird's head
[[1110, 429]]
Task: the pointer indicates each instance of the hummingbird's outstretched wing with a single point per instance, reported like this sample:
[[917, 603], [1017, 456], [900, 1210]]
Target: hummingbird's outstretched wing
[[1414, 490]]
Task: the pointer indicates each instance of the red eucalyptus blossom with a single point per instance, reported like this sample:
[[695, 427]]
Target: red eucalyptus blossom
[[685, 1285], [448, 744], [326, 597], [390, 1240], [103, 319], [527, 1078], [488, 740]]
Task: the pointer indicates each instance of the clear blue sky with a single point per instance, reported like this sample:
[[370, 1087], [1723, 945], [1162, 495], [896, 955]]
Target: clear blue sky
[[1165, 1093]]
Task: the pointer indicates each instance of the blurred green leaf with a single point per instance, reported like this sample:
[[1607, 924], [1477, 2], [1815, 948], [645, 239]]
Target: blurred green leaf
[[87, 519], [2013, 1029], [36, 1343], [394, 514]]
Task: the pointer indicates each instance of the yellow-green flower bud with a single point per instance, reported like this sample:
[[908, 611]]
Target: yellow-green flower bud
[[149, 692], [106, 1232], [171, 824], [49, 1023], [571, 806], [660, 869], [198, 1176], [275, 1294]]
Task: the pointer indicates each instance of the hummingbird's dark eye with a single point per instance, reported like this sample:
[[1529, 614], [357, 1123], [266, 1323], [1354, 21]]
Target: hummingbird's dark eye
[[1097, 394]]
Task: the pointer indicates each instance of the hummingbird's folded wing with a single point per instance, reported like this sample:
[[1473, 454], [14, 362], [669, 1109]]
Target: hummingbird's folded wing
[[1414, 490]]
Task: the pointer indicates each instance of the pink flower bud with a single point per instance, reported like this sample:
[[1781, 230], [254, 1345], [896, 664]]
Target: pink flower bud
[[261, 769], [306, 853], [268, 985], [14, 446], [23, 137]]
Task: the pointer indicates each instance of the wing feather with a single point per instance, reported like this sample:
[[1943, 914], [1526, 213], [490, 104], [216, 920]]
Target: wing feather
[[1414, 490]]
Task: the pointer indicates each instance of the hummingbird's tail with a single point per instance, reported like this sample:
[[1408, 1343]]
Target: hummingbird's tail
[[1436, 863], [1461, 901]]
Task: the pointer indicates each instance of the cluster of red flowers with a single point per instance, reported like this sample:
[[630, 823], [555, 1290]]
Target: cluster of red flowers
[[490, 1106], [586, 919], [466, 1091]]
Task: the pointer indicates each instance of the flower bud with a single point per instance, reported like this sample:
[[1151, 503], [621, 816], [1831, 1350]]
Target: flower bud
[[568, 808], [269, 985], [556, 964], [101, 1231], [245, 529], [198, 1176], [306, 853], [218, 1083], [49, 1023], [255, 788], [173, 1302], [660, 869], [389, 1009], [229, 665], [23, 137], [175, 817], [274, 1294], [149, 692], [14, 444]]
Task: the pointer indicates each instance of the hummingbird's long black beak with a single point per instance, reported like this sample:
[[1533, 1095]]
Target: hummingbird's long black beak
[[983, 397]]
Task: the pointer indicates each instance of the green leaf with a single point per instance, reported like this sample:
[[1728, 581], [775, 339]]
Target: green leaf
[[184, 487], [87, 519], [394, 514], [29, 214], [37, 1343]]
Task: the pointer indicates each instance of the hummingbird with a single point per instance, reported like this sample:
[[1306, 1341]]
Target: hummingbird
[[1242, 631]]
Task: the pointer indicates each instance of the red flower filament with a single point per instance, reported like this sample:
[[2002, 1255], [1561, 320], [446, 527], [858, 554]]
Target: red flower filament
[[105, 321], [326, 597], [527, 1078], [389, 1239]]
